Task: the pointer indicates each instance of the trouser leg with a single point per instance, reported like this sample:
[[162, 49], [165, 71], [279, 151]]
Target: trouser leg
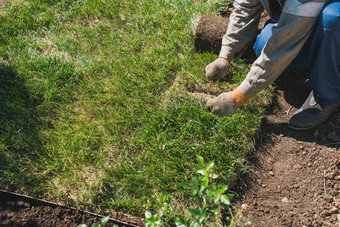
[[325, 70]]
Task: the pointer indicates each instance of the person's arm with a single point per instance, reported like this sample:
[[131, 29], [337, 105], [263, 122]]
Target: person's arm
[[242, 28], [290, 34]]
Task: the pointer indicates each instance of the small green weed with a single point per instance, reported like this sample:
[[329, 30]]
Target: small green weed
[[210, 196], [103, 223]]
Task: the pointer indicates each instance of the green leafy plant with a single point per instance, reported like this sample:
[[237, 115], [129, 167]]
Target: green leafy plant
[[211, 198], [153, 220], [236, 217]]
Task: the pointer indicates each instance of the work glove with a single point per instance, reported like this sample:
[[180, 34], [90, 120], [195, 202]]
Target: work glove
[[217, 69], [222, 105]]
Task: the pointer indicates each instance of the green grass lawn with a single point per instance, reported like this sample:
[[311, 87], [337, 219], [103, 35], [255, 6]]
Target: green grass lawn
[[97, 108]]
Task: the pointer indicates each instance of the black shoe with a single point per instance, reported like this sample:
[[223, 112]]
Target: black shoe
[[311, 114]]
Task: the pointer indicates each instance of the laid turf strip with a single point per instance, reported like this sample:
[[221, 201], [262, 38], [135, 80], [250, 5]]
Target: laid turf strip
[[99, 104]]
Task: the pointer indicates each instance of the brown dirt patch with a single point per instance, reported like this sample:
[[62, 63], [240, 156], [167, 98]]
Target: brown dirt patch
[[295, 178], [26, 211], [210, 30], [209, 33], [19, 213]]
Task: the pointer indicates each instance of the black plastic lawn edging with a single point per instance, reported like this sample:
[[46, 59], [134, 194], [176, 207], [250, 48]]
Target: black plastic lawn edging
[[11, 196]]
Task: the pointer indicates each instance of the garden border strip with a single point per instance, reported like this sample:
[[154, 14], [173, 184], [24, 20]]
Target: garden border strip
[[37, 201]]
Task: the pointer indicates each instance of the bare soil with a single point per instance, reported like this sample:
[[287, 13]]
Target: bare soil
[[209, 33], [295, 177], [20, 213], [210, 30], [16, 210]]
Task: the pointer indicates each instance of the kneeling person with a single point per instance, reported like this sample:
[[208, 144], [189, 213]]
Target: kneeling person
[[301, 33]]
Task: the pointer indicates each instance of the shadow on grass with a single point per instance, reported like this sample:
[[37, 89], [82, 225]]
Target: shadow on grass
[[19, 126]]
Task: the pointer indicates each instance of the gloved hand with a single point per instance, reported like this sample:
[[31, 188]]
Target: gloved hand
[[217, 69], [222, 105]]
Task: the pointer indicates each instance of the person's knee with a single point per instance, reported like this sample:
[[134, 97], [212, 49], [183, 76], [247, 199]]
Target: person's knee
[[259, 44], [331, 16], [262, 38]]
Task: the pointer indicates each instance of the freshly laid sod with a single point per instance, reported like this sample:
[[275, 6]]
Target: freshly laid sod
[[99, 103]]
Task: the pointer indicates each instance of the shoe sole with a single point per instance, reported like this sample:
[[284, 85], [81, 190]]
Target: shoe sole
[[302, 129], [307, 128]]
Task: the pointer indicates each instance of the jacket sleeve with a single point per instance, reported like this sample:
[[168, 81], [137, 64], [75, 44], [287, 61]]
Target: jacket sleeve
[[242, 27], [288, 37]]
